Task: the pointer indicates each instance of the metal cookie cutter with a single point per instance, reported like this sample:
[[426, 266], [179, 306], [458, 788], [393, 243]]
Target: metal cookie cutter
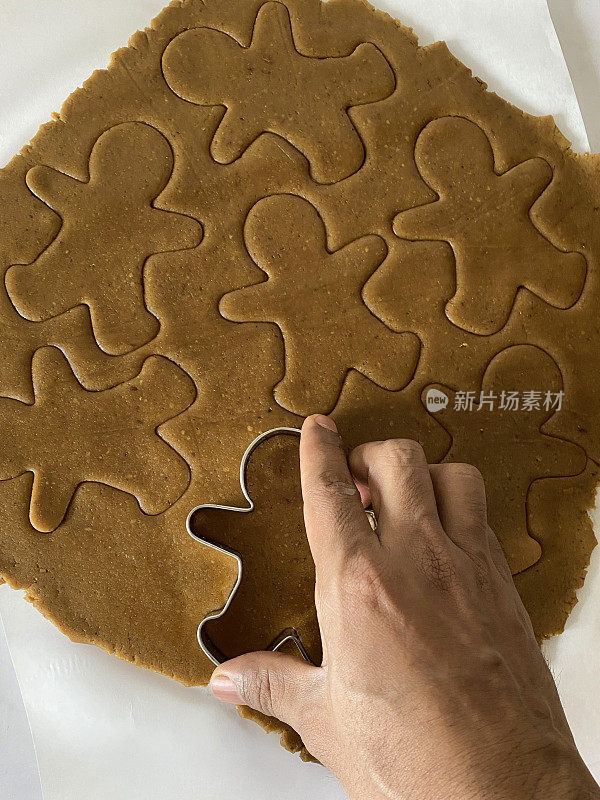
[[287, 635]]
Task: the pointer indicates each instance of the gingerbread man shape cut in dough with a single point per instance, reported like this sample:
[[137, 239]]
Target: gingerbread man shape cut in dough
[[271, 87], [500, 433], [276, 584], [109, 227], [315, 297], [485, 217], [70, 435]]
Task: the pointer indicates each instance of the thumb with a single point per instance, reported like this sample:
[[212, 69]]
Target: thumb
[[275, 684]]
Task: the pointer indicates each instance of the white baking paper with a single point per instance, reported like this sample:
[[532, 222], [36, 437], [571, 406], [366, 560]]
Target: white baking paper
[[104, 728], [577, 24], [18, 767]]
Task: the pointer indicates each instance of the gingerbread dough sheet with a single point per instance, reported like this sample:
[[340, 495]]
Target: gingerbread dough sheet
[[259, 211]]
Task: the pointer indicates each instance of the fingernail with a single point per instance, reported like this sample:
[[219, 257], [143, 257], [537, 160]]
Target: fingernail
[[225, 689], [325, 422]]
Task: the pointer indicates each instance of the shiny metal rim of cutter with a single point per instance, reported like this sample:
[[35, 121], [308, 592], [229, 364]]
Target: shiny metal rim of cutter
[[287, 635]]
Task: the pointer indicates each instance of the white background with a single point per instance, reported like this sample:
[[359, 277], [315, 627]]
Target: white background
[[103, 728]]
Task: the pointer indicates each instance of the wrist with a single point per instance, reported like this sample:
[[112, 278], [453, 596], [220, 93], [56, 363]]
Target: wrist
[[550, 771]]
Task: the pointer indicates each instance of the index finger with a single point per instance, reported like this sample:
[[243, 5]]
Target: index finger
[[334, 516]]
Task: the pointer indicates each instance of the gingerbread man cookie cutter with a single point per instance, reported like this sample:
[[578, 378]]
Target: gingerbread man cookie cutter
[[288, 634]]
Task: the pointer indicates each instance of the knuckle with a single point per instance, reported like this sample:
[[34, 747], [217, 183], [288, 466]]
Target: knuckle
[[330, 483], [329, 498], [401, 451], [263, 690]]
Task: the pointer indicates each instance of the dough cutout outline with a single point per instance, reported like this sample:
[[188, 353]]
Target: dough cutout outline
[[37, 290], [479, 287], [271, 40], [336, 277], [102, 450], [523, 551]]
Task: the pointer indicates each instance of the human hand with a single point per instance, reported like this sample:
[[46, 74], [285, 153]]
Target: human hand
[[432, 684]]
